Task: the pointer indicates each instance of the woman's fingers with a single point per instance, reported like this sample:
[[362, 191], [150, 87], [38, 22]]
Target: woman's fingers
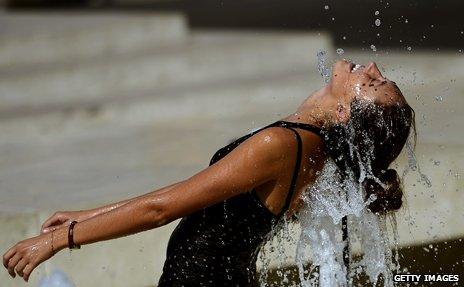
[[56, 219], [12, 264], [8, 255], [27, 254], [28, 270], [48, 229], [20, 266], [31, 265]]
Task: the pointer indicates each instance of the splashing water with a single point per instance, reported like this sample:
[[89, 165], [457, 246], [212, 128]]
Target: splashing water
[[412, 165], [329, 200], [320, 220], [321, 66]]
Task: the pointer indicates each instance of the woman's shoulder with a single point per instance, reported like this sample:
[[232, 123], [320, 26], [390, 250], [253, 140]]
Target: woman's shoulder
[[279, 139], [284, 138]]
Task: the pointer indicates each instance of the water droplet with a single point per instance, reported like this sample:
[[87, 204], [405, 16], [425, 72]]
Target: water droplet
[[321, 66], [409, 48], [377, 22], [326, 7], [373, 48], [344, 37], [376, 13], [406, 21], [340, 51]]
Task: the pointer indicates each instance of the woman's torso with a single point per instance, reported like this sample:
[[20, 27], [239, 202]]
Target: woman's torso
[[218, 245]]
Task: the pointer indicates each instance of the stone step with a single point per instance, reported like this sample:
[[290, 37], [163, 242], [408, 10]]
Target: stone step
[[206, 59], [31, 39]]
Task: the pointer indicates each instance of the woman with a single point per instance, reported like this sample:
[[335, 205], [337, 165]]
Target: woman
[[228, 208]]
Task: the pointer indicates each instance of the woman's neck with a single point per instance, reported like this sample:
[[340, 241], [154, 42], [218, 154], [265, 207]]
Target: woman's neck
[[317, 109]]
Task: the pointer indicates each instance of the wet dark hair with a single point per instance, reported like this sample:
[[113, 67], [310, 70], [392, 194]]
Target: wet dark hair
[[366, 145]]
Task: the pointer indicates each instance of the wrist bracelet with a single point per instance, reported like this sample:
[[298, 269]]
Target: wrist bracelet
[[71, 243]]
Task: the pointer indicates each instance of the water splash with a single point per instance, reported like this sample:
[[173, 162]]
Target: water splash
[[413, 165], [320, 220], [326, 202], [321, 66]]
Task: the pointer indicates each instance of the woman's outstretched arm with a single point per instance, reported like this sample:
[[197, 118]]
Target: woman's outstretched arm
[[65, 217], [258, 160]]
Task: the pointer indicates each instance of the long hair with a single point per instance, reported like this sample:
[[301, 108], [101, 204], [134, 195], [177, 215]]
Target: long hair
[[366, 145]]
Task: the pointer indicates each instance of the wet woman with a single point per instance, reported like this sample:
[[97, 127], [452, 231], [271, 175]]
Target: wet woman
[[228, 208]]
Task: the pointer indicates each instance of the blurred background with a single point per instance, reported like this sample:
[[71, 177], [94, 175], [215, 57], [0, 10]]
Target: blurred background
[[103, 100]]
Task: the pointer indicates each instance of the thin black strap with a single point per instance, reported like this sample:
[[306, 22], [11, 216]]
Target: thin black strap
[[309, 127], [221, 152], [295, 173]]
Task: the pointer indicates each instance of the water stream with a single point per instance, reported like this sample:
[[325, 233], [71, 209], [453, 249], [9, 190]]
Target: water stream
[[327, 201]]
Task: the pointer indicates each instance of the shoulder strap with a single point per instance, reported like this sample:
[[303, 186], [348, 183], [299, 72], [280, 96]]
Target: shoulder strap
[[225, 150], [308, 127], [295, 173]]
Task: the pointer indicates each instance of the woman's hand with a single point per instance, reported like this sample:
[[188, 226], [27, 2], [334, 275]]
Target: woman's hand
[[64, 218], [26, 255]]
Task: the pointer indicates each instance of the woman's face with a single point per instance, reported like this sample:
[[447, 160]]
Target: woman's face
[[350, 81]]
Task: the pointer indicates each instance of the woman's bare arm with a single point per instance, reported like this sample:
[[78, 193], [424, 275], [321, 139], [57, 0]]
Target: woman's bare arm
[[258, 160], [111, 206], [65, 217]]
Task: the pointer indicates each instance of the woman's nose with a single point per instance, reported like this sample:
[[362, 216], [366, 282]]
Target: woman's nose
[[373, 71]]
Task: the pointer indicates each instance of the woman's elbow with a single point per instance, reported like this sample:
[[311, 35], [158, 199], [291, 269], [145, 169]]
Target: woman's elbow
[[158, 212]]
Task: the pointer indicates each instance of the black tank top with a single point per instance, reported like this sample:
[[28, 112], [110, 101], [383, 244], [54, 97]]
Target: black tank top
[[218, 245]]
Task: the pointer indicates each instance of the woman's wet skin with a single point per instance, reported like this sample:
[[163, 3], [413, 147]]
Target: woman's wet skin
[[364, 82]]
